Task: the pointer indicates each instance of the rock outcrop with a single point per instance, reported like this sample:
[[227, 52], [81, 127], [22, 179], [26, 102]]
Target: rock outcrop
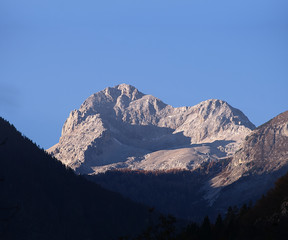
[[264, 150], [261, 160]]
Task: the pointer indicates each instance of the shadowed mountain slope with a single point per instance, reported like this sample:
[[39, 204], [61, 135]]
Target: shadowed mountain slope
[[42, 199]]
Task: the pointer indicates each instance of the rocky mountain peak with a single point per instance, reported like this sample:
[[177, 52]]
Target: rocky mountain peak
[[126, 89], [121, 94], [212, 105], [121, 123], [222, 109]]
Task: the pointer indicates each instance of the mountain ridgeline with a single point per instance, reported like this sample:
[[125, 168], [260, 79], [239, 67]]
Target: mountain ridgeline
[[121, 127], [43, 199]]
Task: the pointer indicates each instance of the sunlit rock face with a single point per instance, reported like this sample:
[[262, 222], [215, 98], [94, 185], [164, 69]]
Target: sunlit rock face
[[264, 150], [258, 163], [120, 127]]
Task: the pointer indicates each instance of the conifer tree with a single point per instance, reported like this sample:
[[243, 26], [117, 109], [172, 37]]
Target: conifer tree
[[205, 229]]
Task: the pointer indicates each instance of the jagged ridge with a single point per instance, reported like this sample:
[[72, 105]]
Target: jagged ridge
[[117, 127]]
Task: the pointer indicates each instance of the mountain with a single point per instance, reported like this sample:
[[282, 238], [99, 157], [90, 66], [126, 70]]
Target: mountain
[[261, 160], [214, 186], [188, 161], [120, 127], [43, 199], [264, 150]]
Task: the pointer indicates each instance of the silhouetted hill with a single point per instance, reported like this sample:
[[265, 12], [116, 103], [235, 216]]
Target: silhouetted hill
[[42, 199]]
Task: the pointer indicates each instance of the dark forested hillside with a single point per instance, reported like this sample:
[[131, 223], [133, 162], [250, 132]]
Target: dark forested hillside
[[266, 220], [41, 199], [269, 217], [176, 192]]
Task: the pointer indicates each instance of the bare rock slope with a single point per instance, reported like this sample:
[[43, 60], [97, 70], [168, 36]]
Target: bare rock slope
[[261, 160], [120, 127]]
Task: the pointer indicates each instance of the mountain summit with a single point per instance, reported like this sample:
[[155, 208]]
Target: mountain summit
[[120, 127]]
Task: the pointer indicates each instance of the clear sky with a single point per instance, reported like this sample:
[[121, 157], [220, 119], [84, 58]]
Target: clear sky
[[56, 53]]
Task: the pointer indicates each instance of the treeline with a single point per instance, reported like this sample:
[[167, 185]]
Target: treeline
[[223, 228]]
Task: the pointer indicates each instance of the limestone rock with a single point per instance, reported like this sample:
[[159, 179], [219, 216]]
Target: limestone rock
[[260, 161], [120, 127]]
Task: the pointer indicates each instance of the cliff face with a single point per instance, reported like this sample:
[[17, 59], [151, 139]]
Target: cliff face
[[264, 150], [121, 127], [261, 160]]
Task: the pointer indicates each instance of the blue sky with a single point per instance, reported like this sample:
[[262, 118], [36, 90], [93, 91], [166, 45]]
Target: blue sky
[[56, 53]]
